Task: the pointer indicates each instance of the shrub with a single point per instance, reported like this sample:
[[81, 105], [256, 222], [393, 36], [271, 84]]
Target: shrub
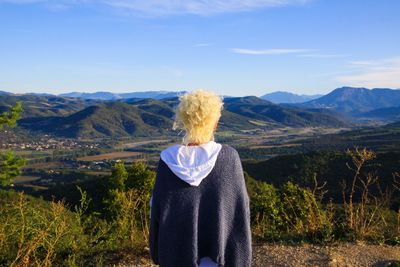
[[266, 210], [128, 200], [302, 213], [291, 212]]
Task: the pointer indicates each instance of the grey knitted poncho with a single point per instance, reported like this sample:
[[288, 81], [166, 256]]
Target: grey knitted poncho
[[209, 220]]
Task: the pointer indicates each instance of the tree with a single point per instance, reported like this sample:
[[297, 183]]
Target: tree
[[10, 165], [118, 176], [141, 179], [128, 195], [10, 118]]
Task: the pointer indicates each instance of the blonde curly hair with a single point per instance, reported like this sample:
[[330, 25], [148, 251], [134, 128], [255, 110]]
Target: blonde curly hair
[[197, 114]]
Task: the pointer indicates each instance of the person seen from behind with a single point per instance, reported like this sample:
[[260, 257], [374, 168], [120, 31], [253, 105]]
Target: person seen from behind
[[200, 212]]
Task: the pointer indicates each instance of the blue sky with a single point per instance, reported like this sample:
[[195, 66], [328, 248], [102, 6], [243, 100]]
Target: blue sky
[[233, 47]]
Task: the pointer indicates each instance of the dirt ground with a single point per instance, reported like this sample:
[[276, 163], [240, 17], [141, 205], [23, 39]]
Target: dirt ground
[[340, 255]]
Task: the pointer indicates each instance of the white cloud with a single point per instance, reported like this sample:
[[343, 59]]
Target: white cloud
[[174, 7], [321, 55], [275, 51], [197, 7], [374, 73]]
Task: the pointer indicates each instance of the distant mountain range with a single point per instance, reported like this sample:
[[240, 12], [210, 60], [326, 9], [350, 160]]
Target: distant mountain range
[[354, 101], [115, 96], [139, 114], [4, 93], [35, 105], [287, 97]]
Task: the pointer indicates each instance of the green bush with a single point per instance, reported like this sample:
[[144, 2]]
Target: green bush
[[266, 211], [302, 213], [290, 212], [127, 201]]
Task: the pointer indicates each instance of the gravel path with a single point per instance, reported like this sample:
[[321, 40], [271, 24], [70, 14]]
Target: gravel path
[[335, 255], [343, 255]]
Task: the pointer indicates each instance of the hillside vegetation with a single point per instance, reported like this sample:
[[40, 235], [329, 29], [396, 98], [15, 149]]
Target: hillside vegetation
[[104, 120], [43, 233], [326, 167]]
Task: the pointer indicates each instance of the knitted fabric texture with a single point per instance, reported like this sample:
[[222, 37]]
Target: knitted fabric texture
[[209, 220]]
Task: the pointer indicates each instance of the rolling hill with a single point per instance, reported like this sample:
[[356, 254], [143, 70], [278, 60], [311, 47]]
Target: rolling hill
[[104, 120], [259, 109], [384, 114], [151, 116]]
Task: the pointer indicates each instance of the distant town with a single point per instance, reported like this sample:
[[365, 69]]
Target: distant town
[[44, 142]]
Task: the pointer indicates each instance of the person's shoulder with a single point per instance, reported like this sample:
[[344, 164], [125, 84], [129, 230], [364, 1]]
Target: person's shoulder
[[231, 164], [229, 148], [229, 151]]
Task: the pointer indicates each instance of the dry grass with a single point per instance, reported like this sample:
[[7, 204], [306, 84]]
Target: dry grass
[[32, 237], [366, 216]]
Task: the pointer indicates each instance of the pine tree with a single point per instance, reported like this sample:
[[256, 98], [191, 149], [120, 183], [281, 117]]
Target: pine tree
[[118, 176], [115, 189], [140, 178]]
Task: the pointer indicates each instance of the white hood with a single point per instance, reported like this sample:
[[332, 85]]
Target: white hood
[[191, 163]]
